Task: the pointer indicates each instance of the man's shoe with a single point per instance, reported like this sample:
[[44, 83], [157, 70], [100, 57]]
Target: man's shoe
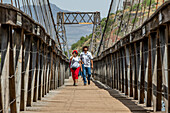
[[74, 84], [84, 84], [88, 82]]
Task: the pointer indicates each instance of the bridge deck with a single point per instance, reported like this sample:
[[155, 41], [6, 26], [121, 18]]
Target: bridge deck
[[95, 98]]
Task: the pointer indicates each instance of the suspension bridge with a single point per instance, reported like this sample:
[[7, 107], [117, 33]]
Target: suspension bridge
[[130, 49]]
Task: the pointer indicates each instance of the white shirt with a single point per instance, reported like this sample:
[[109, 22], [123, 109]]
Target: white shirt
[[75, 62], [86, 58]]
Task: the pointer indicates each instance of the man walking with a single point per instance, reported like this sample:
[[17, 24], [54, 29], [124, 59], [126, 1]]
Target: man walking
[[87, 64]]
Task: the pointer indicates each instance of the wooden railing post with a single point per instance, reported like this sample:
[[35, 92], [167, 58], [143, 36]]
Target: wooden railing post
[[5, 49], [37, 71], [25, 70], [32, 71], [18, 55]]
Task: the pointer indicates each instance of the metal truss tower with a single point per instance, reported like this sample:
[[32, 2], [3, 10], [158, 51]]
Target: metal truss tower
[[65, 18]]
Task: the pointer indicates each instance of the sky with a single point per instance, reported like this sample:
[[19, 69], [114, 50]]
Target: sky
[[84, 5]]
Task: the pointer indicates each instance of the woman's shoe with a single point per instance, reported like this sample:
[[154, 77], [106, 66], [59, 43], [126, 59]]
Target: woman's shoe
[[74, 84]]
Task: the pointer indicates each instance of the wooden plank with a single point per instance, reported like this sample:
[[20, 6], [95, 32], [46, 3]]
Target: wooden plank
[[51, 72], [128, 69], [106, 70], [3, 44], [56, 73], [37, 71], [41, 76], [131, 75], [18, 37], [32, 69], [146, 67], [133, 69], [112, 70], [149, 81], [116, 72], [142, 95], [25, 70], [99, 70], [64, 71], [54, 69], [163, 34], [12, 90], [123, 70], [4, 68], [168, 50], [159, 76], [59, 72], [45, 78], [103, 71], [136, 74], [154, 69], [139, 69], [120, 74]]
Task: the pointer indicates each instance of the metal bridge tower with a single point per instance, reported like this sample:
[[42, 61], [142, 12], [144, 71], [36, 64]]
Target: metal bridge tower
[[64, 18]]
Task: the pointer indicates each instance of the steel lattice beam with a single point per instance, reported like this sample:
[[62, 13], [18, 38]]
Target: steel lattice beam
[[80, 18]]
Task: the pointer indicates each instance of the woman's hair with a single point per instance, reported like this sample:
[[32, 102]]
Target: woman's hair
[[75, 51], [85, 47]]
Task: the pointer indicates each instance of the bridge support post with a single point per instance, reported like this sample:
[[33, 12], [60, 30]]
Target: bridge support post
[[120, 74], [6, 89], [147, 70], [25, 70], [41, 71], [32, 72], [127, 70], [37, 72], [123, 70], [164, 51], [168, 57], [45, 75], [51, 87], [17, 55]]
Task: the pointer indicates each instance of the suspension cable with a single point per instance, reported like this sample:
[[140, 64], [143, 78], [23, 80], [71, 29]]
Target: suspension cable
[[101, 41], [121, 22], [136, 15], [129, 17]]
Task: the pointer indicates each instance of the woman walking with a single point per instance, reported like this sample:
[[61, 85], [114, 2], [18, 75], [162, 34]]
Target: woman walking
[[75, 66]]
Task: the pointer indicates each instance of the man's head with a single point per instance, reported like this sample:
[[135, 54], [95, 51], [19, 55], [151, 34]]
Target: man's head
[[85, 48]]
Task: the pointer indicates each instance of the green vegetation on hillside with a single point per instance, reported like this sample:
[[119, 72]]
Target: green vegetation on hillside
[[80, 42], [124, 18]]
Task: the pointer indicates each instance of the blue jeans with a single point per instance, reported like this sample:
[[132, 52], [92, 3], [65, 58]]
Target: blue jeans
[[80, 73], [88, 70]]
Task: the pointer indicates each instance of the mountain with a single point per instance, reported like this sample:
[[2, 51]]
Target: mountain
[[55, 10]]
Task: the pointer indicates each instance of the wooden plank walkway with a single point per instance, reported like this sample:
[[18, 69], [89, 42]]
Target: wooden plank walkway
[[94, 98]]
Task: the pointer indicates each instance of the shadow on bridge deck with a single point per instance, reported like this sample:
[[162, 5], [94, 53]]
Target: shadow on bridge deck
[[130, 103], [94, 98]]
